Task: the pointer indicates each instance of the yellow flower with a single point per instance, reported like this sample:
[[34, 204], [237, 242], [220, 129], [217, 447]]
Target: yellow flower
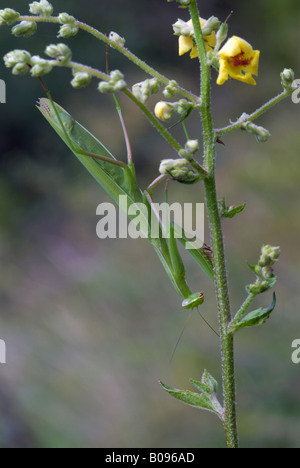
[[187, 44], [164, 111], [238, 60]]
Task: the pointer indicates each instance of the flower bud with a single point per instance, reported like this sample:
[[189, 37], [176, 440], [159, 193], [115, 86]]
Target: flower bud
[[261, 133], [116, 75], [120, 85], [17, 56], [68, 30], [143, 90], [182, 28], [183, 107], [115, 84], [171, 89], [222, 33], [60, 52], [106, 87], [25, 29], [39, 66], [180, 170], [212, 24], [81, 79], [20, 69], [192, 146], [164, 110], [69, 27], [287, 78], [113, 36], [65, 18], [8, 16], [42, 8], [269, 255]]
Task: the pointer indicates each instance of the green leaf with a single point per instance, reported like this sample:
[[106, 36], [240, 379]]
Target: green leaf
[[207, 385], [190, 398], [256, 317], [229, 211], [233, 210]]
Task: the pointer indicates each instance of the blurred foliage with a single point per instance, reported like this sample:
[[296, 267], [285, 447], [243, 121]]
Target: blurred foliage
[[90, 325]]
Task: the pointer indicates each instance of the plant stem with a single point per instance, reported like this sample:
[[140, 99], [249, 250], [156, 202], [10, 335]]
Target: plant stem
[[220, 273], [246, 304], [123, 50], [250, 118]]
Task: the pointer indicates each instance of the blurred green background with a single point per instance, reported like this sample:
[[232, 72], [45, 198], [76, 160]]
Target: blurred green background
[[90, 325]]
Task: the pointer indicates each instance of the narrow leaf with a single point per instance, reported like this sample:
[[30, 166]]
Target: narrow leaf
[[190, 398], [256, 317]]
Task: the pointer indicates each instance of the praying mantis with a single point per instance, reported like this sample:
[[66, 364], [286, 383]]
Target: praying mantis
[[118, 178]]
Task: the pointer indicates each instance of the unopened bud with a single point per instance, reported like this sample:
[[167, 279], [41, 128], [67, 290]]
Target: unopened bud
[[116, 75], [120, 85], [287, 78], [25, 29], [20, 69], [222, 33], [182, 28], [113, 36], [180, 170], [60, 52], [65, 18], [183, 107], [212, 24], [40, 66], [143, 90], [69, 27], [17, 56], [42, 8], [261, 133], [192, 146], [164, 110], [269, 255], [68, 30], [171, 89], [106, 87], [8, 16], [81, 79]]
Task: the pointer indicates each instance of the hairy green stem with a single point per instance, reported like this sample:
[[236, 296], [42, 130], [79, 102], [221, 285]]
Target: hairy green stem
[[123, 50], [246, 304], [220, 273], [250, 118]]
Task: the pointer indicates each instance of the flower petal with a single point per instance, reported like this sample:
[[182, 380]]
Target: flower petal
[[223, 72], [238, 60], [185, 44]]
